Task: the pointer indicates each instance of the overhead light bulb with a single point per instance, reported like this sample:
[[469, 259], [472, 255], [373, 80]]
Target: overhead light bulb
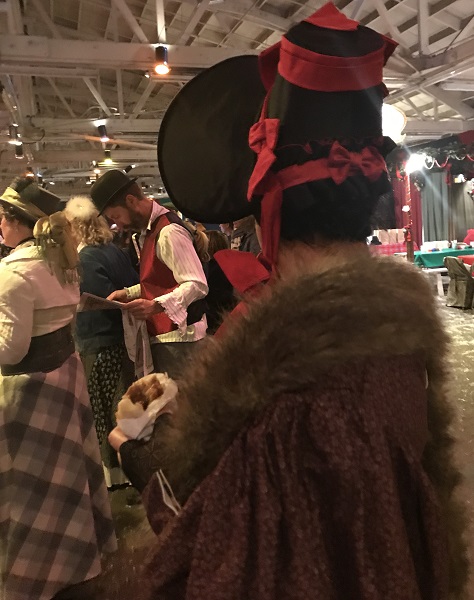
[[13, 135], [103, 133], [393, 123], [51, 183], [161, 60], [107, 157], [19, 151]]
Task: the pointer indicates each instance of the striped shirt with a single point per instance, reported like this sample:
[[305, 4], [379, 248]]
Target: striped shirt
[[174, 247]]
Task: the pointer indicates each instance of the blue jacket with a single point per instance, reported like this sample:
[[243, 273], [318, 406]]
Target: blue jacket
[[105, 269]]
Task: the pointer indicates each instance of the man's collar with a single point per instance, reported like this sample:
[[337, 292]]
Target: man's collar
[[156, 211]]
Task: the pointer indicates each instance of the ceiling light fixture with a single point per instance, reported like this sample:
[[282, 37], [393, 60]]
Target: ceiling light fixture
[[128, 168], [19, 151], [13, 135], [29, 172], [161, 60], [103, 134], [107, 157]]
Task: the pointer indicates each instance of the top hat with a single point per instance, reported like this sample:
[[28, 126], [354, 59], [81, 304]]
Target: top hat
[[29, 199], [109, 186], [313, 114]]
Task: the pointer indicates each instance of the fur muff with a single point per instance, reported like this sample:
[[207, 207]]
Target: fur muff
[[313, 319]]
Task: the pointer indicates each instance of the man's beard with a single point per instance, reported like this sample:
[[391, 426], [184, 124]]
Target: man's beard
[[137, 222]]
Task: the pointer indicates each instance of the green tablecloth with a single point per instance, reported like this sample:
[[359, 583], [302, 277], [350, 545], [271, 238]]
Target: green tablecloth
[[432, 260]]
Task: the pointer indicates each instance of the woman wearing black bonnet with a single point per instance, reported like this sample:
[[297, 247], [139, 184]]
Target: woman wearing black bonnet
[[310, 455]]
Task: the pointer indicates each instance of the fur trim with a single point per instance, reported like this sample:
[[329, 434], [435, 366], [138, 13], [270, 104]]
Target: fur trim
[[339, 313]]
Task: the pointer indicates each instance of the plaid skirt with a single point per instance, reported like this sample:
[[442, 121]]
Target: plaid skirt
[[55, 518]]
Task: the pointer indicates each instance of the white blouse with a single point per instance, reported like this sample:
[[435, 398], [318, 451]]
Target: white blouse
[[32, 302]]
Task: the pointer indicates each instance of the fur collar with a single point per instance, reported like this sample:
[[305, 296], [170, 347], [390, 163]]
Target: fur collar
[[337, 309]]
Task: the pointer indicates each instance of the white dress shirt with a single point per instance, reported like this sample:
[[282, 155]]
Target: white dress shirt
[[175, 249], [32, 302]]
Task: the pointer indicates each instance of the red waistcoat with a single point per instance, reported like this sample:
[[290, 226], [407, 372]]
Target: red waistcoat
[[157, 279]]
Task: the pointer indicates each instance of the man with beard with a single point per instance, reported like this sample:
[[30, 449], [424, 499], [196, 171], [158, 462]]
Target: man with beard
[[170, 296]]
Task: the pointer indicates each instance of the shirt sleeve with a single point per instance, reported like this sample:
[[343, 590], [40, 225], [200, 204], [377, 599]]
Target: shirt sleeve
[[175, 249], [16, 316]]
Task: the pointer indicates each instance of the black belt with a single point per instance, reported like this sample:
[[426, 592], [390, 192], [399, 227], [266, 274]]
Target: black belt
[[46, 353]]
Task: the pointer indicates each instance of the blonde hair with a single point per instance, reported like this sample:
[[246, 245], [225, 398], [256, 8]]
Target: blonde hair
[[54, 237], [88, 227], [200, 241]]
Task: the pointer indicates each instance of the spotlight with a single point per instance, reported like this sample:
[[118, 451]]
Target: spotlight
[[415, 163], [29, 172], [13, 135], [107, 157], [103, 133], [128, 168], [97, 171], [89, 181], [51, 183], [19, 151], [161, 60]]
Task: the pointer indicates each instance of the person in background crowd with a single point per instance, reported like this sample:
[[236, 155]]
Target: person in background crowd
[[244, 237], [220, 298], [99, 334], [226, 229], [173, 286], [55, 519], [469, 236], [310, 456]]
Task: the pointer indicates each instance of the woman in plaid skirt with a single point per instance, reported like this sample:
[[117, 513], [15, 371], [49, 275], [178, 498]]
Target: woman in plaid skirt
[[55, 518]]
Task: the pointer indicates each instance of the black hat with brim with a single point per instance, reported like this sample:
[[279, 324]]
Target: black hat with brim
[[203, 151], [31, 200], [108, 187]]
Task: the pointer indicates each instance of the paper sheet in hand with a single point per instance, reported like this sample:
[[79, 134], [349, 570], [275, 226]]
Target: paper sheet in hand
[[92, 302]]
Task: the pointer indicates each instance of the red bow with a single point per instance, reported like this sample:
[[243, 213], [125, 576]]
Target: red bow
[[263, 137], [342, 163]]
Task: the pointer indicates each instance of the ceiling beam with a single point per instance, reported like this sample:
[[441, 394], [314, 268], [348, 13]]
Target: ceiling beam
[[129, 17], [437, 128], [160, 21], [95, 92], [35, 50], [116, 126], [198, 12], [422, 23], [451, 99]]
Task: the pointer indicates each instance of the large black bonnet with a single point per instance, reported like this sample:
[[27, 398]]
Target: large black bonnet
[[313, 99], [203, 153]]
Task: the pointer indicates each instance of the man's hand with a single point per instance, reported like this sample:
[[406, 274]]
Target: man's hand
[[144, 309], [118, 296]]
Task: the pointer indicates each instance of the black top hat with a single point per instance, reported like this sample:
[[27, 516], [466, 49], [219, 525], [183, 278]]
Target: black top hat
[[109, 186], [322, 109], [34, 202]]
